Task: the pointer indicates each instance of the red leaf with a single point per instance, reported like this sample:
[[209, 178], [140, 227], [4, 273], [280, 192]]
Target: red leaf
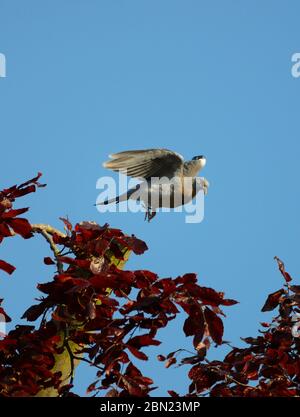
[[67, 223], [7, 267], [48, 261], [173, 393], [295, 288], [133, 371], [209, 296], [4, 231], [215, 325], [33, 312], [229, 302], [281, 267], [135, 244], [186, 279], [64, 390], [137, 353], [13, 213], [194, 324], [102, 246], [24, 191], [272, 300], [144, 340], [81, 263], [20, 226], [132, 387], [33, 180], [143, 278]]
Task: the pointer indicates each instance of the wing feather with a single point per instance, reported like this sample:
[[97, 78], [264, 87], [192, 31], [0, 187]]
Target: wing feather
[[146, 163]]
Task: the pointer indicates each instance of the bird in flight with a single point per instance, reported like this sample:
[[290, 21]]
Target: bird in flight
[[167, 180]]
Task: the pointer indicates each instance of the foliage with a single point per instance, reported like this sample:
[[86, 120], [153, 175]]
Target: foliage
[[268, 367], [95, 311]]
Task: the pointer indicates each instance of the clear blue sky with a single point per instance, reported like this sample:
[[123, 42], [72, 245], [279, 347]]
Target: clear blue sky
[[88, 78]]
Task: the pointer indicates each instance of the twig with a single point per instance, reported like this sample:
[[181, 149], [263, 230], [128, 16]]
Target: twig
[[69, 350], [226, 375], [47, 231], [47, 228], [89, 362]]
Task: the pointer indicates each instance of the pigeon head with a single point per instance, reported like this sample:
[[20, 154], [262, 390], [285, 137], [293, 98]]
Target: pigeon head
[[200, 159], [196, 158]]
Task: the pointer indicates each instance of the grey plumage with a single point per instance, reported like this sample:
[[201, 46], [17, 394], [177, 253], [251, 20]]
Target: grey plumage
[[146, 163], [158, 163]]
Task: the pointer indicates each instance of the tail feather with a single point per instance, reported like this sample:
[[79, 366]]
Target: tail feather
[[112, 200], [120, 198]]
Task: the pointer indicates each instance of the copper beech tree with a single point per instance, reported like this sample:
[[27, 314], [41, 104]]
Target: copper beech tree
[[95, 311]]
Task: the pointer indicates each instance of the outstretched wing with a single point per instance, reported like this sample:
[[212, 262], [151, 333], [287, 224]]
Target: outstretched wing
[[146, 163]]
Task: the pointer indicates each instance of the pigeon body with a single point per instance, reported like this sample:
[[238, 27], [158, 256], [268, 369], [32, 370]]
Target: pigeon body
[[167, 180]]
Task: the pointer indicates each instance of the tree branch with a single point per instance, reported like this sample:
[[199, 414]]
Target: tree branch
[[47, 228], [47, 231]]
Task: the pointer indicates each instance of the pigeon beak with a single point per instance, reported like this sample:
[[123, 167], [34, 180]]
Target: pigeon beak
[[203, 162]]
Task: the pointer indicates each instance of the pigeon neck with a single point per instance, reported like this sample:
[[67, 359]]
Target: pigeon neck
[[191, 168]]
